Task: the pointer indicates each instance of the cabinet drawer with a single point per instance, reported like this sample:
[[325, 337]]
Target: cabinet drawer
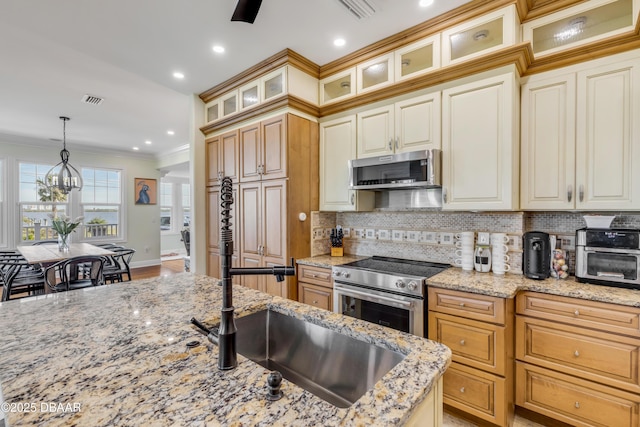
[[479, 307], [591, 314], [316, 275], [598, 356], [475, 392], [473, 343], [317, 296], [574, 401]]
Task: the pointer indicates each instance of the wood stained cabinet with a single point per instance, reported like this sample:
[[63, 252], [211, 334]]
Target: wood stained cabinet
[[479, 331], [577, 360], [315, 286], [263, 150], [213, 232], [222, 157]]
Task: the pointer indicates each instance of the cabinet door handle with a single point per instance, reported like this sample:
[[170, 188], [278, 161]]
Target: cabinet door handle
[[577, 312], [462, 390], [577, 405], [353, 199], [576, 353], [581, 192], [220, 175], [569, 193], [444, 195], [462, 342], [390, 144], [461, 304], [397, 143]]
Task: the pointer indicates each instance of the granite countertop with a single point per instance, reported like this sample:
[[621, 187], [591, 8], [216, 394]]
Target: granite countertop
[[328, 261], [508, 285], [117, 355]]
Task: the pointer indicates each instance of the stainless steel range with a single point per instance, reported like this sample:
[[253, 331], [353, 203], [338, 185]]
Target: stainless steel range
[[387, 291]]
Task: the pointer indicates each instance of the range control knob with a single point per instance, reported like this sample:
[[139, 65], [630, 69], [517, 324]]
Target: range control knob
[[400, 284], [412, 285], [345, 275], [337, 273]]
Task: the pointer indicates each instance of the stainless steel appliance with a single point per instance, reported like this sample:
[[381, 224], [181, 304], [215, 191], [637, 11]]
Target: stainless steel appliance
[[608, 257], [537, 255], [387, 291], [416, 169]]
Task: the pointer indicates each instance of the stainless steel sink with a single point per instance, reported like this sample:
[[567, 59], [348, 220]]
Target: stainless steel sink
[[331, 365]]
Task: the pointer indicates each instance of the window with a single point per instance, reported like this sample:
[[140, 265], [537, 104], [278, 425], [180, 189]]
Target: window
[[101, 203], [37, 203], [166, 203], [186, 204]]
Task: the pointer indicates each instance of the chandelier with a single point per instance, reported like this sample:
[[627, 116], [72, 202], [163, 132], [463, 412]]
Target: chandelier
[[63, 176]]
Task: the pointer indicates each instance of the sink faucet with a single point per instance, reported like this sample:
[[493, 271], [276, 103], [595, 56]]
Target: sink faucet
[[227, 353]]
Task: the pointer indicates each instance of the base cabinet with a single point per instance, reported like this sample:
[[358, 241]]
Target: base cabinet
[[578, 361], [479, 331], [315, 286]]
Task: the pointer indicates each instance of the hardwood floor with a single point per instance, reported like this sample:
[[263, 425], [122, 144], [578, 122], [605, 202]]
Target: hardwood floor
[[167, 268]]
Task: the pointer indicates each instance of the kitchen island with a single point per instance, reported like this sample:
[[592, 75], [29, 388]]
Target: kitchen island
[[118, 355]]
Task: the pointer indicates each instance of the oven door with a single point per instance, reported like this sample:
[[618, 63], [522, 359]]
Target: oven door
[[399, 312]]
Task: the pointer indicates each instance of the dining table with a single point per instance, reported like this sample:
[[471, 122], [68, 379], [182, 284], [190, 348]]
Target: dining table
[[49, 253]]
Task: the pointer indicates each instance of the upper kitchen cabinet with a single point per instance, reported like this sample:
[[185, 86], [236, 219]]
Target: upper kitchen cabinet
[[273, 84], [409, 125], [480, 144], [581, 24], [229, 103], [603, 152], [337, 147], [338, 86], [417, 58], [263, 150], [375, 73], [222, 157], [480, 36]]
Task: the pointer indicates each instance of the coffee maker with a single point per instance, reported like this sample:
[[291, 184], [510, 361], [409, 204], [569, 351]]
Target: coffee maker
[[537, 255]]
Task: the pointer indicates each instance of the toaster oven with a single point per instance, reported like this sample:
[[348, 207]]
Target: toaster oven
[[608, 257]]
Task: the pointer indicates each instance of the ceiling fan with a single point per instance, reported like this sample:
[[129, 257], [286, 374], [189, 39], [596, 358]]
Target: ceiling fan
[[246, 11]]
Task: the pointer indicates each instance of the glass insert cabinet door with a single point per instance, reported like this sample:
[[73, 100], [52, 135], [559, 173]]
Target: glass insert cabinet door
[[274, 84], [375, 73], [338, 86], [580, 24], [417, 58]]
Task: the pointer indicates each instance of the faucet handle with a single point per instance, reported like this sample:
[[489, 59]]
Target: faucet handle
[[274, 381]]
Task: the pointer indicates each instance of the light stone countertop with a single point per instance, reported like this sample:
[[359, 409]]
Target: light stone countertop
[[328, 261], [118, 353], [508, 285]]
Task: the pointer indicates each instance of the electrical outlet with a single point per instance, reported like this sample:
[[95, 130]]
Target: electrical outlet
[[567, 243], [514, 243], [359, 233], [317, 233]]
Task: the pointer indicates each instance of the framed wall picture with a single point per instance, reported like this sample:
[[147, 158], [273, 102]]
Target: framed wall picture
[[146, 191]]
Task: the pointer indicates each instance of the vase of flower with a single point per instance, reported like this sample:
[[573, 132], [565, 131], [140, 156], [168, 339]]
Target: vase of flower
[[63, 242], [64, 226]]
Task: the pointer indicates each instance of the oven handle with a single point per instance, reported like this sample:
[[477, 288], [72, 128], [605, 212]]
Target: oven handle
[[368, 297], [610, 274]]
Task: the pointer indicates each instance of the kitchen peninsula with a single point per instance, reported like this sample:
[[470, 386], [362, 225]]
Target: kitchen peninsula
[[118, 355]]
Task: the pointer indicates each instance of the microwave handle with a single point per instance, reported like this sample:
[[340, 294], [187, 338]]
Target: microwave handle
[[610, 274]]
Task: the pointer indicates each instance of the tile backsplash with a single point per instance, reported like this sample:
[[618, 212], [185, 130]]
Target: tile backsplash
[[430, 235]]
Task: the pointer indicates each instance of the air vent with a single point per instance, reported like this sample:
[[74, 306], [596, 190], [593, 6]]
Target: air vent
[[93, 100], [359, 8]]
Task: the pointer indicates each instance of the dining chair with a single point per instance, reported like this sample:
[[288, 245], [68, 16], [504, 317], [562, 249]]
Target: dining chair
[[118, 265], [19, 278], [65, 275]]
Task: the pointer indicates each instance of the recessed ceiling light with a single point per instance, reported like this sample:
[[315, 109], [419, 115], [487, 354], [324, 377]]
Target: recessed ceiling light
[[147, 142], [218, 49], [425, 3], [170, 132], [135, 148], [339, 42], [178, 75]]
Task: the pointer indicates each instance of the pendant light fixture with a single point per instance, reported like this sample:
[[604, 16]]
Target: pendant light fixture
[[63, 176]]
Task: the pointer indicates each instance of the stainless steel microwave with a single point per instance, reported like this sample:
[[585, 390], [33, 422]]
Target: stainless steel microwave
[[415, 169]]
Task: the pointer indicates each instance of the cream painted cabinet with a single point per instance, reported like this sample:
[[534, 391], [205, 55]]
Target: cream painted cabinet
[[337, 147], [480, 144], [580, 147], [409, 125]]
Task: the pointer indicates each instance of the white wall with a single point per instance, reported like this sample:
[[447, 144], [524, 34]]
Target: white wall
[[142, 222]]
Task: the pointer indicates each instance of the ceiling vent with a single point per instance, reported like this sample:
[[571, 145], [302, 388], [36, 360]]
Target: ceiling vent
[[93, 100], [359, 8]]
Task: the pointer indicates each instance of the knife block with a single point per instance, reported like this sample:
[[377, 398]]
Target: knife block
[[337, 251]]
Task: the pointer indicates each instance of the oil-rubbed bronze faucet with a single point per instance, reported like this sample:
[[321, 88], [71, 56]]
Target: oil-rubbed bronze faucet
[[226, 338]]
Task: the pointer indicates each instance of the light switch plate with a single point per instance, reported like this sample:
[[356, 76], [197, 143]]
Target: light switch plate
[[446, 239], [397, 235], [483, 238]]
